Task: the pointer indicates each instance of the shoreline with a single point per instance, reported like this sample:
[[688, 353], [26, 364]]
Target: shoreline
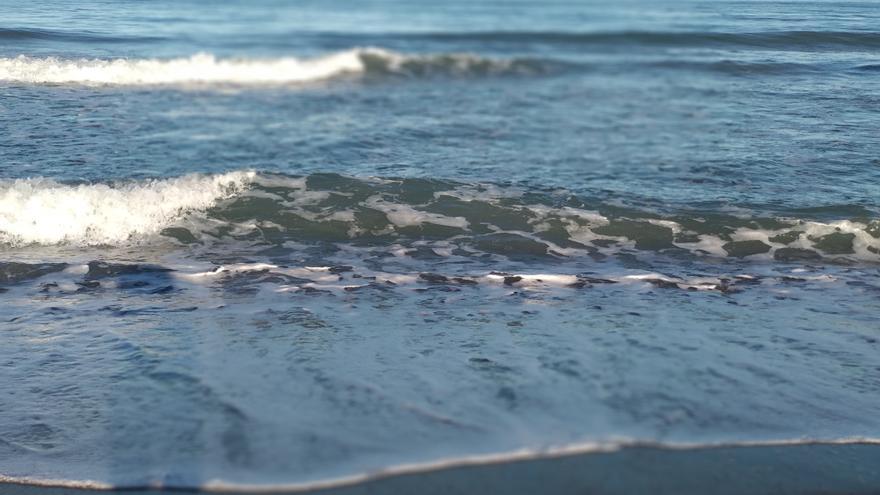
[[785, 467]]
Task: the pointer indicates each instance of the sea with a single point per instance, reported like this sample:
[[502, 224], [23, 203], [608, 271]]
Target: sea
[[272, 243]]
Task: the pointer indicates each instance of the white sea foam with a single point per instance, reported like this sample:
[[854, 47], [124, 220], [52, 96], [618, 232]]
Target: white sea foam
[[864, 244], [41, 211], [199, 68], [205, 68], [323, 277], [403, 215]]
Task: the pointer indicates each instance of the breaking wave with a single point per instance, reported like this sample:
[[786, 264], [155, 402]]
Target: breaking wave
[[408, 214], [41, 211], [205, 68]]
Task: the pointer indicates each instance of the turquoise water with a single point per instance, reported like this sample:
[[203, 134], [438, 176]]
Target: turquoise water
[[271, 243]]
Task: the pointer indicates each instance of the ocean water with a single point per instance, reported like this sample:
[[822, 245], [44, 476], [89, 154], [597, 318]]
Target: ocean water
[[272, 243]]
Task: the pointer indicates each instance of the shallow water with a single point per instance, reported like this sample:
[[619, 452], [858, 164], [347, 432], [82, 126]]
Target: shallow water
[[265, 243]]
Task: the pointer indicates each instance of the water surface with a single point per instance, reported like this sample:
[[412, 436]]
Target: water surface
[[272, 243]]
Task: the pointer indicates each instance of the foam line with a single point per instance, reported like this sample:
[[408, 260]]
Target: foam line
[[520, 455], [205, 68]]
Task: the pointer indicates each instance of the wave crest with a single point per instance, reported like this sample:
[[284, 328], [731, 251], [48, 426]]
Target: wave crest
[[205, 68], [41, 211], [403, 214], [780, 40]]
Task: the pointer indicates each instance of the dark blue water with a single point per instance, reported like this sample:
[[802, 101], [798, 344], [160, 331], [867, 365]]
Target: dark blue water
[[272, 242]]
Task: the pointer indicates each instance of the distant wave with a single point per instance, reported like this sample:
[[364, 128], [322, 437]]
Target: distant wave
[[206, 68], [795, 40], [21, 34], [781, 40], [470, 218], [737, 67]]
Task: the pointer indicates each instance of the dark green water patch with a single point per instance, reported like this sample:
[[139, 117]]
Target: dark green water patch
[[12, 272], [786, 237], [646, 235], [796, 254], [741, 249], [510, 245], [836, 243]]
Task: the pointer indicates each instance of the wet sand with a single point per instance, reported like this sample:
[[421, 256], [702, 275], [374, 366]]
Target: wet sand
[[852, 468]]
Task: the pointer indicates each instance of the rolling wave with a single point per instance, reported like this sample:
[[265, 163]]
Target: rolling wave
[[207, 69], [737, 67], [467, 219], [780, 40]]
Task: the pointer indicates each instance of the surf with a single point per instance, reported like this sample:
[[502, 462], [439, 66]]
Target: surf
[[42, 211], [411, 214], [206, 68]]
